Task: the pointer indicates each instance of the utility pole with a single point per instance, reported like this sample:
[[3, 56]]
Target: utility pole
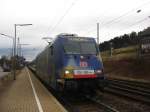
[[14, 58], [18, 46], [111, 49], [98, 33]]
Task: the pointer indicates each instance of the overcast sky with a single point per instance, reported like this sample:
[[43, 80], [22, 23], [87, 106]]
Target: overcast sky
[[51, 17]]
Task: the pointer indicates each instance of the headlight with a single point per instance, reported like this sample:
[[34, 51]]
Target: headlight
[[67, 72], [98, 71], [81, 57]]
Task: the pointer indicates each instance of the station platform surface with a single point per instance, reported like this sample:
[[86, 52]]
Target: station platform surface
[[27, 94]]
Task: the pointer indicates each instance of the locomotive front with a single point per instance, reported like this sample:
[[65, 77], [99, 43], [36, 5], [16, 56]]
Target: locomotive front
[[82, 65]]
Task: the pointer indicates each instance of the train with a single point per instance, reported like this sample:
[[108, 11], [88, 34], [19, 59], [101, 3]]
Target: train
[[71, 62]]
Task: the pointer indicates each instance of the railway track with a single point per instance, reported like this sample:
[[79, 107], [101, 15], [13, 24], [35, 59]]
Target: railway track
[[139, 91], [83, 103], [75, 102], [100, 103]]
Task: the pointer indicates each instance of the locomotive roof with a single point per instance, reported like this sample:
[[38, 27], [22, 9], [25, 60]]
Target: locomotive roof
[[68, 36], [77, 38]]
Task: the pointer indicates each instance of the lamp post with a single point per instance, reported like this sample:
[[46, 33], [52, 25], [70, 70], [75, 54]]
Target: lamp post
[[12, 47], [10, 38], [14, 59], [16, 34]]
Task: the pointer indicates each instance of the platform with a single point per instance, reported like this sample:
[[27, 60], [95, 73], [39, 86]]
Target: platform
[[27, 94]]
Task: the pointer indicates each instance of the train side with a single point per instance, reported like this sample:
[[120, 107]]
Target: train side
[[71, 62]]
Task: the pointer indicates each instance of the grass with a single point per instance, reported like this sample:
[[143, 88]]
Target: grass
[[117, 54]]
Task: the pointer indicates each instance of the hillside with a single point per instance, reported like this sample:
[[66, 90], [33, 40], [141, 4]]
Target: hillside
[[121, 53], [124, 63]]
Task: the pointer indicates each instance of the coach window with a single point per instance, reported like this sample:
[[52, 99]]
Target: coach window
[[52, 50]]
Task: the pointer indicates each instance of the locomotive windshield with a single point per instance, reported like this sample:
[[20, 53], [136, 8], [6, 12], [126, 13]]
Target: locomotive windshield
[[80, 47]]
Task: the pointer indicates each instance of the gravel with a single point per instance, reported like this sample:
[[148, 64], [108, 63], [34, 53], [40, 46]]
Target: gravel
[[123, 104]]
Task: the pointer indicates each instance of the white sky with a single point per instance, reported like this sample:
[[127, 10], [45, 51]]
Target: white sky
[[80, 19]]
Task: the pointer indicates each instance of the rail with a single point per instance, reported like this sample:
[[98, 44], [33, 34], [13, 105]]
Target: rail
[[139, 91]]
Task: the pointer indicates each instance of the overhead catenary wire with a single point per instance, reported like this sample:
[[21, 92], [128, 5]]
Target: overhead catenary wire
[[125, 14], [138, 22], [63, 16], [121, 16]]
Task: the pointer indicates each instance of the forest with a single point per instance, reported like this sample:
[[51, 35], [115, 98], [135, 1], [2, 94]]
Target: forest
[[125, 40]]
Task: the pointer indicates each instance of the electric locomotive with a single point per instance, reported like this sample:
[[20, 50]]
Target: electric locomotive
[[71, 62]]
